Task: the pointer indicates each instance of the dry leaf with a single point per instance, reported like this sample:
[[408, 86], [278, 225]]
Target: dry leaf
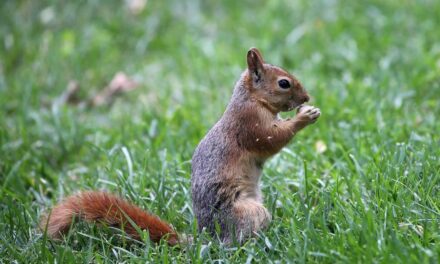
[[136, 6], [70, 95], [120, 83], [320, 146]]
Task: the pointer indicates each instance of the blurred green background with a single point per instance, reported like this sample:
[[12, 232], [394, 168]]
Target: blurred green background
[[361, 185]]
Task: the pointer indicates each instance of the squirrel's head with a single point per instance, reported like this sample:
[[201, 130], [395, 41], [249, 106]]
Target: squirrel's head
[[272, 86]]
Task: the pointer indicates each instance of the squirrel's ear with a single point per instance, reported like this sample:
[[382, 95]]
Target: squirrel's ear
[[255, 64]]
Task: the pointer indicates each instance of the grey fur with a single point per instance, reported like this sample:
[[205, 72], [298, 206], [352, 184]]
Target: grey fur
[[212, 196], [227, 163]]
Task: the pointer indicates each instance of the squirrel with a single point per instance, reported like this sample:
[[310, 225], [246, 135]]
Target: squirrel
[[226, 165]]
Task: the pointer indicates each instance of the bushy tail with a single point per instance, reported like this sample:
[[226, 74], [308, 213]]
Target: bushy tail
[[109, 209]]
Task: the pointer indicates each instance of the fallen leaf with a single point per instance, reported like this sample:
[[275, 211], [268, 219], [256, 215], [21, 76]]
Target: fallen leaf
[[136, 6], [70, 95], [120, 83], [320, 146]]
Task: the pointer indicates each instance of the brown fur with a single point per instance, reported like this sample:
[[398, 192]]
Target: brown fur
[[227, 164], [108, 209]]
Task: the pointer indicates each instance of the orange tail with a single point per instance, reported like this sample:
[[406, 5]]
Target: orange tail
[[109, 209]]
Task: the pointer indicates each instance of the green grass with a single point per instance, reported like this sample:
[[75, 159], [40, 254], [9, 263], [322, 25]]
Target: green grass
[[373, 67]]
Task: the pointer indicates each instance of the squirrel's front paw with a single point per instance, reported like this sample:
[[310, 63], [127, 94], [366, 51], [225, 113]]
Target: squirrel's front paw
[[308, 114]]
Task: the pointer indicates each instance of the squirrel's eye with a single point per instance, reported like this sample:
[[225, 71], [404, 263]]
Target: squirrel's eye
[[283, 83]]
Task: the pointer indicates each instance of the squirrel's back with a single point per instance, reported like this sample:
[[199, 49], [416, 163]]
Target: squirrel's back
[[214, 161]]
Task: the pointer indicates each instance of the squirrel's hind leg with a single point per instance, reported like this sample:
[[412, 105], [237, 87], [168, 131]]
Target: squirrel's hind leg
[[250, 217]]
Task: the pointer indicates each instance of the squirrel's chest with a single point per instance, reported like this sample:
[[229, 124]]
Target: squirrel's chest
[[248, 174]]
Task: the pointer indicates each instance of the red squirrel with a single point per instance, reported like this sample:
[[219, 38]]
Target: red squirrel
[[226, 165]]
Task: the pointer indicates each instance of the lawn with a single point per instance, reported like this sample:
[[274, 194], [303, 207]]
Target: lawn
[[362, 185]]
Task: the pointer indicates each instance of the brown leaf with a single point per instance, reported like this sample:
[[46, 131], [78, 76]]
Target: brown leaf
[[70, 95], [120, 83]]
